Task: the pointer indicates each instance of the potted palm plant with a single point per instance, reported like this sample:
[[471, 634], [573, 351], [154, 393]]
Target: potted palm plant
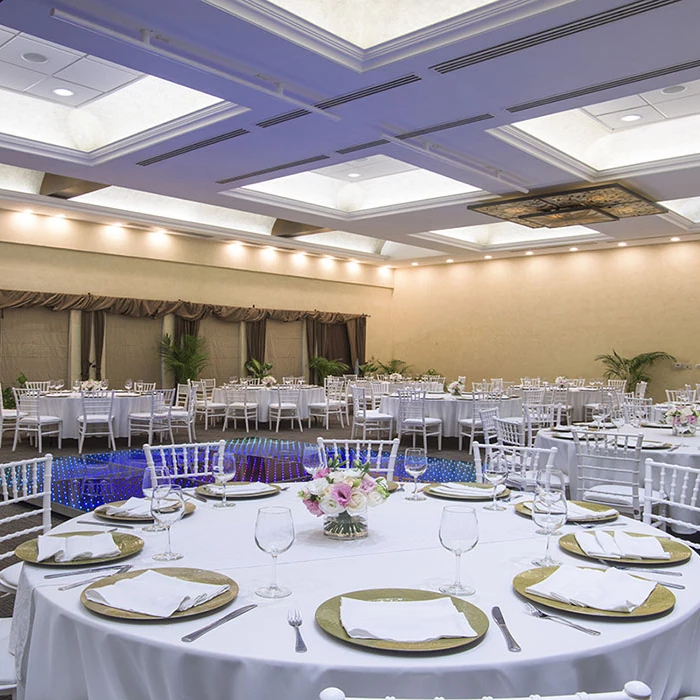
[[258, 369], [326, 368], [185, 359], [632, 369]]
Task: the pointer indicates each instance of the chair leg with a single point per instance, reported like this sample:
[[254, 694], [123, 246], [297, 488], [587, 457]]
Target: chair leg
[[81, 438], [38, 437]]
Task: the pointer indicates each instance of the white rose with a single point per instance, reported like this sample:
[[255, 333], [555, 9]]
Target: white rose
[[317, 486], [352, 474], [374, 498], [330, 506], [358, 503]]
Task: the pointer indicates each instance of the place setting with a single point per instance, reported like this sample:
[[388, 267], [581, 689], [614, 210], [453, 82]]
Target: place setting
[[577, 512]]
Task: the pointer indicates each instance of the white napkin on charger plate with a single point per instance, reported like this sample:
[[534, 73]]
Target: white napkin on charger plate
[[611, 590], [600, 543], [151, 593], [76, 547], [575, 512], [403, 621], [453, 489], [239, 489], [135, 507]]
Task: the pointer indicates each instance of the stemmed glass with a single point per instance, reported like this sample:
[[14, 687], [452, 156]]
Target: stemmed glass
[[76, 386], [495, 471], [459, 533], [223, 472], [311, 460], [274, 534], [128, 384], [599, 414], [159, 476], [415, 463], [549, 509], [167, 507]]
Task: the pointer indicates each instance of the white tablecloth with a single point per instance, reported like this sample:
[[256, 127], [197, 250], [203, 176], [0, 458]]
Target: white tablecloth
[[69, 407], [263, 397], [74, 654], [450, 409]]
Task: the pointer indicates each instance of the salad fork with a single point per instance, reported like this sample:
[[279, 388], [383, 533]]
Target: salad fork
[[536, 612], [294, 619]]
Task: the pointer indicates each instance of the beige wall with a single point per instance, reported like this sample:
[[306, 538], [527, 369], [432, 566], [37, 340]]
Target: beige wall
[[551, 315]]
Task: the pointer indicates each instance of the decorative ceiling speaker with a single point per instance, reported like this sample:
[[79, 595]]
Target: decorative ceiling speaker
[[585, 206]]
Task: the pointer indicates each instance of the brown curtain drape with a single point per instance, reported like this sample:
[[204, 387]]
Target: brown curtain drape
[[185, 327], [85, 343], [255, 340], [357, 338], [99, 327], [337, 345]]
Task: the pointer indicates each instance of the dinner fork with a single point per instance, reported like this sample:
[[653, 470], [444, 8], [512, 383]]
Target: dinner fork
[[84, 582], [555, 618], [294, 619]]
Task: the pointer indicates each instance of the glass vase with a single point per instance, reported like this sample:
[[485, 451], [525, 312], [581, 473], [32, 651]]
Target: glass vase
[[345, 526], [684, 429]]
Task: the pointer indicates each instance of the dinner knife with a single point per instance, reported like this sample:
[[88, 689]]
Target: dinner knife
[[75, 572], [217, 623], [500, 621], [94, 522]]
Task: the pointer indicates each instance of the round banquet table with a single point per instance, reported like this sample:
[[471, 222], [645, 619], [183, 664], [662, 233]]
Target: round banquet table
[[450, 409], [73, 654], [263, 397]]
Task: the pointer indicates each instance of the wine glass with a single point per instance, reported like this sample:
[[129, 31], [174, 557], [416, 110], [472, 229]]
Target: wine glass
[[415, 462], [599, 413], [548, 479], [459, 533], [311, 459], [549, 512], [167, 507], [159, 476], [76, 386], [274, 534], [223, 472], [495, 471], [128, 384]]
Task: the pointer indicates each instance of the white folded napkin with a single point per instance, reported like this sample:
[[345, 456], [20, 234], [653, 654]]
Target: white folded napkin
[[611, 590], [575, 512], [76, 547], [599, 543], [151, 593], [135, 507], [453, 489], [239, 489], [403, 621]]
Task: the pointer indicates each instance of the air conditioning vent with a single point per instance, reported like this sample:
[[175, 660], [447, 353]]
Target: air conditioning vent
[[603, 86], [362, 146], [274, 169], [280, 119], [193, 147], [547, 35], [367, 92], [442, 127]]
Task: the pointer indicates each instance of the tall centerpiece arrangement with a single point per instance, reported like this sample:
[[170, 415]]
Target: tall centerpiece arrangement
[[342, 496], [683, 419]]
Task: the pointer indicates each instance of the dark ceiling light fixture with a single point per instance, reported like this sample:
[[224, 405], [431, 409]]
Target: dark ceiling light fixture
[[588, 205], [282, 228]]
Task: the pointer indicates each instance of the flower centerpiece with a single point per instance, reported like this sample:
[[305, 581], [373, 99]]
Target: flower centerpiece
[[456, 388], [91, 385], [561, 382], [395, 377], [268, 381], [342, 496], [684, 419]]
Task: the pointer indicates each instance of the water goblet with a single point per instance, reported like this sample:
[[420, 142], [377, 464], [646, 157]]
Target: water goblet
[[415, 463], [311, 459], [549, 512], [76, 386], [167, 507], [549, 479], [274, 534], [128, 384], [599, 413], [495, 472], [224, 472], [159, 476], [459, 533]]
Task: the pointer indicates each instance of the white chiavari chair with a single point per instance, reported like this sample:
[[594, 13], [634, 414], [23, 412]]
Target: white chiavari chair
[[538, 417], [285, 406], [414, 421], [187, 460], [97, 418], [155, 421], [379, 454], [240, 406], [367, 419], [184, 416], [31, 420], [523, 463]]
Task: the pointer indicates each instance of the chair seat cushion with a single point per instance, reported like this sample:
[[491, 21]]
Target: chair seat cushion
[[179, 413], [95, 419], [140, 416], [41, 420], [283, 406], [422, 421], [9, 576], [376, 415], [616, 495], [7, 661], [10, 413], [469, 421]]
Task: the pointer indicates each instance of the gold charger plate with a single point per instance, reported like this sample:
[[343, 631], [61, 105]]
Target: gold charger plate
[[487, 488], [328, 619], [654, 445], [184, 574], [204, 491], [100, 513], [679, 552], [392, 486], [593, 507], [660, 600], [128, 546]]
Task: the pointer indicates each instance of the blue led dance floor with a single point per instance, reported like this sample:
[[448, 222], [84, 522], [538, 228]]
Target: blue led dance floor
[[84, 482]]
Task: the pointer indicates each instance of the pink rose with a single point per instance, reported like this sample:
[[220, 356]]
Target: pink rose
[[321, 473], [367, 485], [342, 493], [313, 507]]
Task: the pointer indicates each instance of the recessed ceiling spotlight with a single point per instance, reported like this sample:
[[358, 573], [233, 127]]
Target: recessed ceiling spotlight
[[631, 118], [63, 92], [573, 250], [414, 264], [674, 89], [529, 252], [354, 175], [675, 239], [34, 57], [622, 244], [488, 257], [28, 211], [449, 260], [352, 260]]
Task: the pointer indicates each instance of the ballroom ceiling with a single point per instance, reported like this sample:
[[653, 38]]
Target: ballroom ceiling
[[372, 125]]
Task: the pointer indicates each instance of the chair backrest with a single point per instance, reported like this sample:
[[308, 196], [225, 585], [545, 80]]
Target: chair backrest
[[640, 390], [27, 401], [380, 454], [144, 387], [635, 409], [509, 432], [288, 393], [487, 415], [685, 395], [39, 386], [671, 494], [617, 384], [521, 461], [26, 480], [162, 401], [537, 416], [608, 468], [577, 382], [236, 394], [633, 690], [533, 394], [182, 392], [411, 404], [187, 459], [556, 394], [98, 403], [530, 382]]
